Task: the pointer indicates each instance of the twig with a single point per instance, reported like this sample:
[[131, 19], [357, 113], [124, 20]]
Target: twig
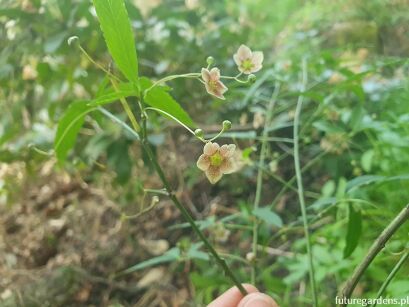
[[376, 247], [263, 150], [300, 184], [182, 209], [391, 275]]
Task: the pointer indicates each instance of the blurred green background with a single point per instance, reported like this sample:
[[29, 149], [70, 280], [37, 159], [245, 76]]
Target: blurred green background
[[63, 233]]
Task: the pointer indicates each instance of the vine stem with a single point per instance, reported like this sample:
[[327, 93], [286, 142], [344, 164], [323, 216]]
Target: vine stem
[[146, 146], [257, 197], [300, 184], [189, 218], [391, 275], [374, 250]]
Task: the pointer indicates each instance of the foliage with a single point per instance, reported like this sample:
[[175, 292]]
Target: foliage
[[354, 126]]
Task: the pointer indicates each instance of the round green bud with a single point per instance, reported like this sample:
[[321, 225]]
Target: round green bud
[[210, 60], [251, 78], [199, 133], [226, 125]]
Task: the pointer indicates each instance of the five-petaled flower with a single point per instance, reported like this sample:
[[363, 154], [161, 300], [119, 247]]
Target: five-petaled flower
[[212, 82], [216, 161], [248, 61]]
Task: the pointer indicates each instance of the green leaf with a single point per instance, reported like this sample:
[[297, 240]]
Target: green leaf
[[363, 180], [326, 126], [328, 189], [72, 120], [118, 35], [354, 231], [366, 160], [158, 97], [68, 127], [170, 256], [268, 216], [368, 179], [111, 96]]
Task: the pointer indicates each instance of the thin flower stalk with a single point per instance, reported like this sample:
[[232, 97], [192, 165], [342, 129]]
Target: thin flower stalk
[[300, 184], [263, 152]]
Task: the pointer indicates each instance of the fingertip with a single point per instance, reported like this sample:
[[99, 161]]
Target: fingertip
[[232, 297], [250, 288], [257, 300]]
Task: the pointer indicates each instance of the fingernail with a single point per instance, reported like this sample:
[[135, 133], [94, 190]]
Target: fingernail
[[258, 302]]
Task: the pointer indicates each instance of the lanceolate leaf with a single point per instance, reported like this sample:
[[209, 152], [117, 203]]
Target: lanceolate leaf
[[268, 216], [68, 128], [354, 230], [110, 97], [71, 122], [159, 98], [170, 256], [118, 35]]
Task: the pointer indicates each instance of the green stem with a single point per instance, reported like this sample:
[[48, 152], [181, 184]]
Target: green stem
[[222, 263], [300, 184], [127, 109], [169, 78], [257, 197], [391, 275], [374, 250], [176, 120]]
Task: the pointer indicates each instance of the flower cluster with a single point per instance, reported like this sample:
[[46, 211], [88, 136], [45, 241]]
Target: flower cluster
[[247, 62], [218, 160]]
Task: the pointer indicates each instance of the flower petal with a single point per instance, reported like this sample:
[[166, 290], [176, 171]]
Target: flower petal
[[205, 75], [203, 162], [215, 74], [227, 167], [256, 68], [227, 150], [237, 59], [213, 174], [217, 89], [257, 58], [210, 148], [244, 52]]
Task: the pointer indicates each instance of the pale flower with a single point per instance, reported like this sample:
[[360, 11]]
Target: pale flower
[[248, 61], [217, 160], [212, 82]]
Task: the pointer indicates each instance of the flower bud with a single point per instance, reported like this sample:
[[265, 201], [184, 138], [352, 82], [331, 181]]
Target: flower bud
[[251, 78], [226, 125], [210, 60], [72, 39], [199, 133]]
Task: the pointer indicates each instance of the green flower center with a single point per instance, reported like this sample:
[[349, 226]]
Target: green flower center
[[247, 64], [213, 84], [216, 159]]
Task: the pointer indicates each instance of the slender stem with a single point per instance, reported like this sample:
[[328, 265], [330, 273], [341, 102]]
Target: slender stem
[[376, 247], [176, 120], [127, 109], [300, 184], [259, 186], [169, 78], [97, 64], [188, 217], [294, 178], [217, 135], [391, 275], [222, 263]]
